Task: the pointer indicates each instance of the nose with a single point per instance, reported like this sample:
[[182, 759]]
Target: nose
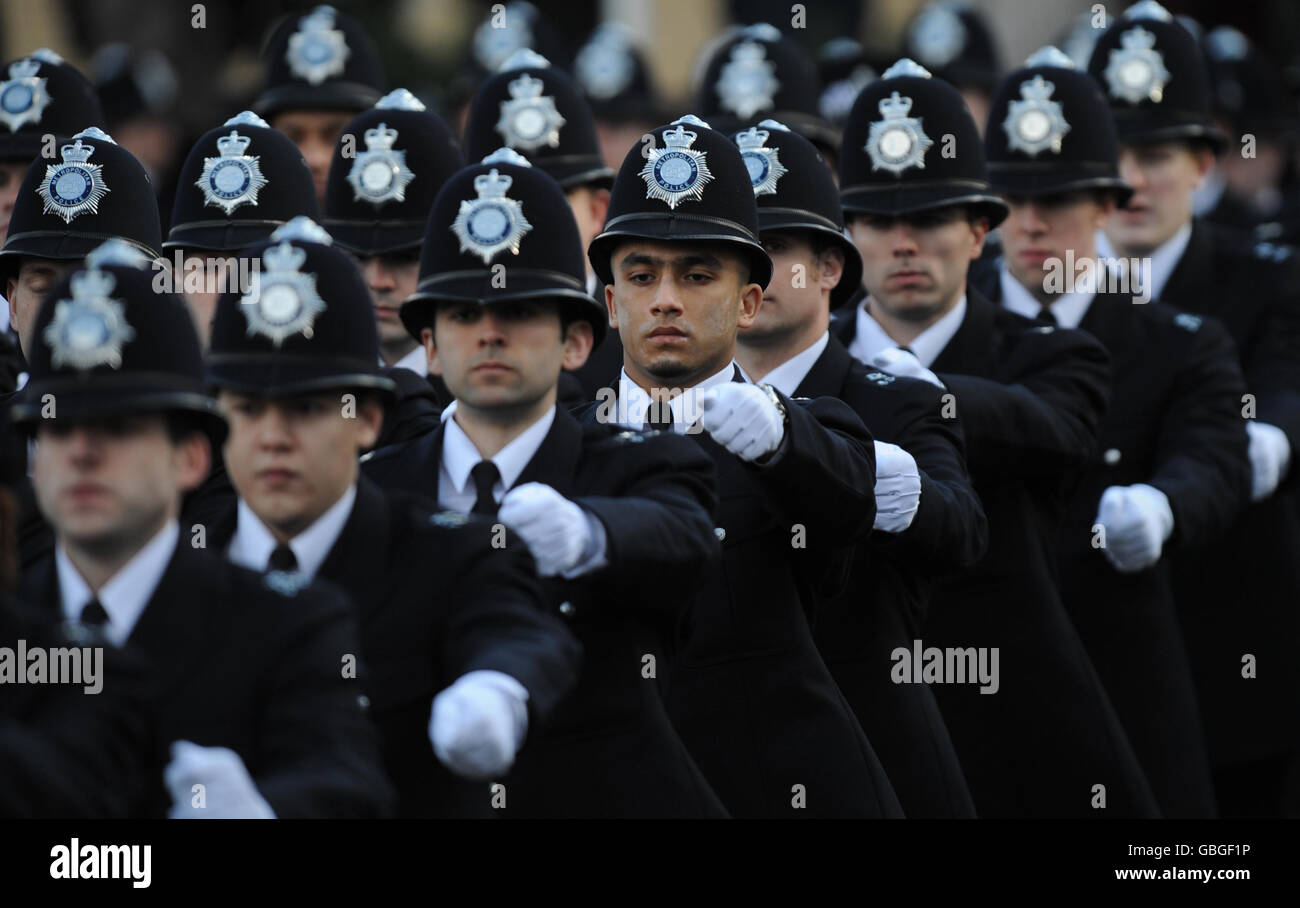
[[666, 300], [378, 278], [902, 242], [1129, 171], [491, 332], [85, 446], [273, 429], [1029, 218]]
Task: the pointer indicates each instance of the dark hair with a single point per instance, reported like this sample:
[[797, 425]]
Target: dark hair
[[181, 424]]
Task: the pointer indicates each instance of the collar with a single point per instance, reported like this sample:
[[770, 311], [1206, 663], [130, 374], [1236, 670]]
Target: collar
[[634, 401], [459, 454], [416, 361], [871, 338], [253, 543], [791, 373], [1155, 269], [127, 592], [1067, 308]]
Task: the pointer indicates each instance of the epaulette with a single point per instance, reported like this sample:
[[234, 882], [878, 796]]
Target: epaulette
[[1188, 322], [286, 583]]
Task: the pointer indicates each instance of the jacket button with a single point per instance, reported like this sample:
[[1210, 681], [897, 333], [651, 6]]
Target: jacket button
[[720, 533], [1111, 457], [567, 609]]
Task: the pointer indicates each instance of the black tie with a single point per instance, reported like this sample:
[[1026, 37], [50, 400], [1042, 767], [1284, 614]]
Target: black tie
[[485, 475], [659, 415], [94, 614], [1045, 316], [283, 559]]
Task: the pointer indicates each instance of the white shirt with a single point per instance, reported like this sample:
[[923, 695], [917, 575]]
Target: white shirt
[[417, 361], [634, 401], [253, 543], [1067, 308], [456, 491], [127, 592], [870, 338], [787, 377], [1162, 261]]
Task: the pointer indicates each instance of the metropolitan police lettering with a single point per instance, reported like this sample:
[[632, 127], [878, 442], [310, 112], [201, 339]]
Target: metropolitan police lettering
[[764, 164], [678, 172], [74, 187], [492, 222], [282, 301], [234, 178], [379, 174]]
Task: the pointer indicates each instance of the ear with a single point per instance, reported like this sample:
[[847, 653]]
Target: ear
[[193, 460], [370, 420], [599, 206], [430, 350], [1204, 159], [578, 341], [1106, 206], [10, 286], [751, 295], [979, 228], [830, 268], [609, 305]]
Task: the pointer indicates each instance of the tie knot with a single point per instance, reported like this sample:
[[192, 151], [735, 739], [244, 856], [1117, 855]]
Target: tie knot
[[283, 559], [1045, 314], [94, 613], [485, 475], [659, 414]]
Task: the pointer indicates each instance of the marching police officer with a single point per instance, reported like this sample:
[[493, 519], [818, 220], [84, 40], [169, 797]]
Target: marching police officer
[[610, 516], [1030, 399], [462, 657], [239, 182], [954, 42], [124, 426], [1232, 592], [684, 271], [928, 518], [612, 72], [378, 199], [321, 71], [1172, 444]]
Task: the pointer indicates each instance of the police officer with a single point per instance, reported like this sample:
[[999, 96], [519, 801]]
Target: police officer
[[954, 42], [684, 271], [239, 182], [383, 181], [613, 73], [1031, 400], [321, 71], [462, 656], [610, 516], [1230, 592], [1172, 443], [928, 518], [124, 427]]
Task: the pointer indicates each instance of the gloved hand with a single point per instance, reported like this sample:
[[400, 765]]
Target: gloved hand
[[901, 362], [742, 419], [1138, 520], [229, 792], [555, 529], [898, 488], [1270, 456], [478, 724]]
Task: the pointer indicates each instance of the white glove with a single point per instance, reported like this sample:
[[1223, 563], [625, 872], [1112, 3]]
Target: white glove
[[901, 362], [1138, 520], [555, 529], [742, 419], [478, 723], [898, 488], [229, 793], [1270, 456]]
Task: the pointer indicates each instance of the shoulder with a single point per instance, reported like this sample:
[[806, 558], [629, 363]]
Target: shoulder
[[612, 443]]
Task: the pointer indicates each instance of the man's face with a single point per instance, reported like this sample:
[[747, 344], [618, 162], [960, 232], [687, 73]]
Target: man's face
[[1047, 227], [25, 293], [678, 308], [391, 278], [1163, 177], [589, 206], [798, 296], [291, 458], [504, 356], [914, 267], [107, 487], [11, 178], [316, 133]]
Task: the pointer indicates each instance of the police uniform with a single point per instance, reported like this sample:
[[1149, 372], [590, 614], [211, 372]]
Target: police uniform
[[434, 599], [1031, 400], [751, 696], [1173, 423], [1232, 594], [886, 599], [611, 750], [376, 202], [229, 648]]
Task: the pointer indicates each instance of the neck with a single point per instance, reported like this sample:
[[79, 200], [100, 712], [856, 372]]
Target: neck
[[392, 353], [98, 564], [1037, 282], [1143, 250], [760, 356], [675, 384], [493, 429], [904, 331]]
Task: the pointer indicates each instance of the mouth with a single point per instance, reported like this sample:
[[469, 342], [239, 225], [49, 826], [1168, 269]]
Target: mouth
[[1036, 256], [668, 335], [491, 367], [277, 476], [387, 313], [86, 492], [908, 278]]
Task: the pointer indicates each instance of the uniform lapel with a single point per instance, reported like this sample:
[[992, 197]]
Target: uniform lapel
[[556, 460], [1193, 275], [173, 626], [971, 349], [828, 373], [358, 559]]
